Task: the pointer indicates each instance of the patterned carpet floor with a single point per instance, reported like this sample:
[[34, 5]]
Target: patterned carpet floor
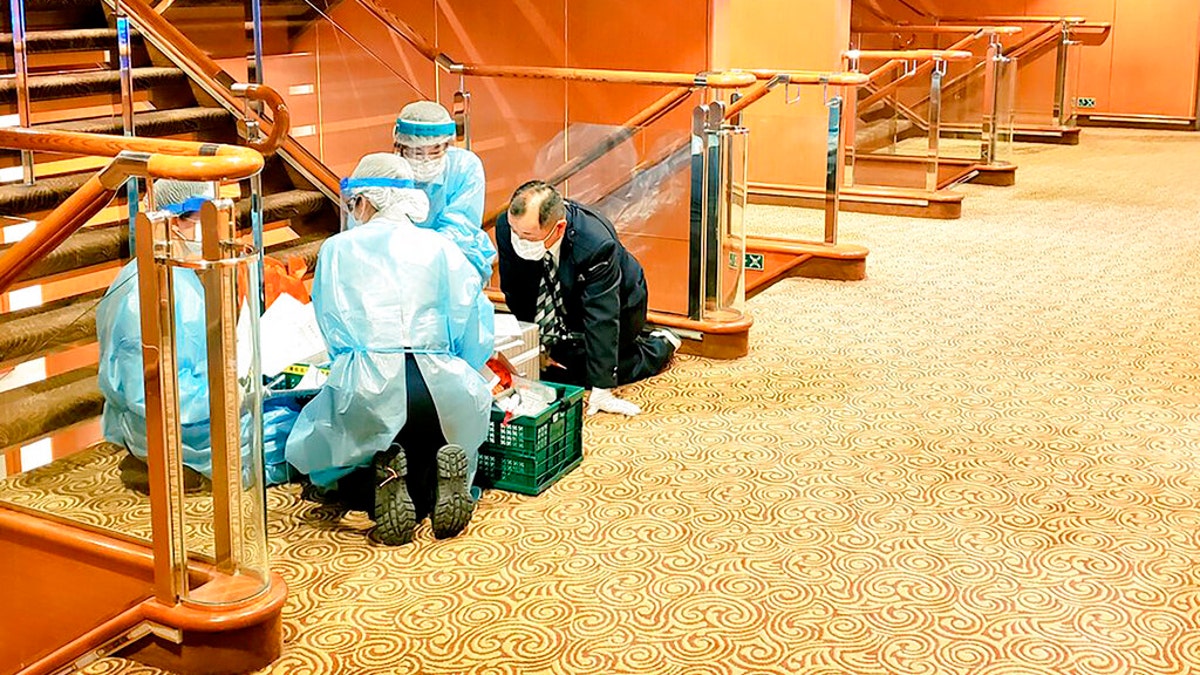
[[983, 459]]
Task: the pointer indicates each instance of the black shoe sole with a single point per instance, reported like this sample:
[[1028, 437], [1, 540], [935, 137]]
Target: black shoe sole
[[453, 506], [395, 517]]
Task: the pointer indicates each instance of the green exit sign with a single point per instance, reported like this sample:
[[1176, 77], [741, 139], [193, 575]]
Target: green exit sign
[[1085, 102], [752, 261]]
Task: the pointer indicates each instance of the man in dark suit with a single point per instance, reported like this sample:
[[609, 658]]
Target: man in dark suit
[[562, 267]]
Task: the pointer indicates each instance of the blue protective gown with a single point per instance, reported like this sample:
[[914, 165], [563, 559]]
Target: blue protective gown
[[456, 209], [121, 377], [383, 289]]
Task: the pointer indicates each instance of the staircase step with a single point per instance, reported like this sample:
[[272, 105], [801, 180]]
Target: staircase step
[[85, 248], [43, 87], [152, 123], [55, 13], [98, 245], [81, 39], [44, 195], [286, 205], [40, 408], [34, 332]]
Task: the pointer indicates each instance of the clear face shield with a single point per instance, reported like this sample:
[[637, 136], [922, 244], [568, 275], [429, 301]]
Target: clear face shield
[[424, 145], [355, 208]]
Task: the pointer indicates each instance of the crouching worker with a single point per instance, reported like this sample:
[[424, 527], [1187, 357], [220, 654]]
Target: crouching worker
[[121, 371], [407, 328]]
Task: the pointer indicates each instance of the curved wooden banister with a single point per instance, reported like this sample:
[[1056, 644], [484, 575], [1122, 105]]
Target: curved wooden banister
[[133, 156], [150, 21], [212, 77], [281, 117]]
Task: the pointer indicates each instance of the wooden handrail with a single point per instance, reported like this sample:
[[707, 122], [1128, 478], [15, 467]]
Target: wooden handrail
[[902, 57], [887, 89], [715, 80], [910, 54], [213, 78], [133, 156], [809, 77], [1014, 18], [938, 30], [204, 161], [54, 229], [752, 95]]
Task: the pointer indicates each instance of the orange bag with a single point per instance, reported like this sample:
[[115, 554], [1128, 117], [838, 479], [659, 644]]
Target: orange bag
[[280, 277]]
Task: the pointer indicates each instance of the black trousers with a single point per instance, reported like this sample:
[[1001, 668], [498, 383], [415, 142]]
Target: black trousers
[[420, 437], [639, 358]]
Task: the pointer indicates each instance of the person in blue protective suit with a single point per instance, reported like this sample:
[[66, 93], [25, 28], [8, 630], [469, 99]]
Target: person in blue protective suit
[[407, 327], [451, 177], [121, 372]]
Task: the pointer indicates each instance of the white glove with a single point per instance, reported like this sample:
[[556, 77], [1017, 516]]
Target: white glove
[[603, 400]]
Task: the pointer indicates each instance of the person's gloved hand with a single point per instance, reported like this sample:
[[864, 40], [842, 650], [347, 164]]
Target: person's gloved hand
[[603, 400]]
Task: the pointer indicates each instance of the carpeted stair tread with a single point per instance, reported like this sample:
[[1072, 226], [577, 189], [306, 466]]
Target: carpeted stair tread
[[151, 123], [37, 409], [48, 5], [79, 39], [87, 247], [83, 84], [283, 206], [38, 331], [97, 245], [305, 248], [47, 193]]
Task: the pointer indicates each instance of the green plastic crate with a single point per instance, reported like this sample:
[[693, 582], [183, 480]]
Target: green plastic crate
[[529, 454]]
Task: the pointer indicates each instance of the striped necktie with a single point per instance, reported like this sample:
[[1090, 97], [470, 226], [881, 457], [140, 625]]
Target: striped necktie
[[549, 306]]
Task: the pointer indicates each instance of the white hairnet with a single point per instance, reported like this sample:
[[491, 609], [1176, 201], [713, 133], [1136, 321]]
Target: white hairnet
[[390, 201], [423, 123], [170, 192]]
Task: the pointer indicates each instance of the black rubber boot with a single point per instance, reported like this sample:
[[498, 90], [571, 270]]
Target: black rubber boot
[[453, 505], [395, 517]]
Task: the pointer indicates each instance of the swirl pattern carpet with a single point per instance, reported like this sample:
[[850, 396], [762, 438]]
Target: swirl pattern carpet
[[983, 459]]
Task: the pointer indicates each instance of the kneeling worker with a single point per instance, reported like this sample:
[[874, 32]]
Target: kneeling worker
[[562, 266], [407, 327]]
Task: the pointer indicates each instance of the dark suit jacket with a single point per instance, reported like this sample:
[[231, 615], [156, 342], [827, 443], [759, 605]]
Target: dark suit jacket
[[603, 287]]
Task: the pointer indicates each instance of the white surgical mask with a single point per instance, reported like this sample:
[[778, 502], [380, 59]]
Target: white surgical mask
[[528, 250], [428, 170]]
